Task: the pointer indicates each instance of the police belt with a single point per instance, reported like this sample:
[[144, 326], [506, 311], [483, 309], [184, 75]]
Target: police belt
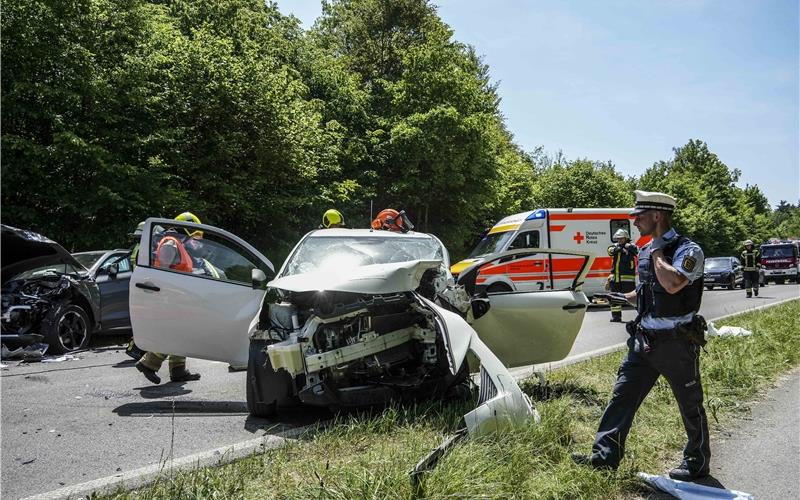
[[693, 331]]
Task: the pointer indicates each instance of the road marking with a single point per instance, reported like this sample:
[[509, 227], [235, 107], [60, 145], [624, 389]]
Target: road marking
[[142, 476]]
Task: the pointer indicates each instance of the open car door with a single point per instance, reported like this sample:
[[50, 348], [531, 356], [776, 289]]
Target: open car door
[[198, 301], [525, 328]]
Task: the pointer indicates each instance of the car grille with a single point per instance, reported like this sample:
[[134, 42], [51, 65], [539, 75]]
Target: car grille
[[487, 389]]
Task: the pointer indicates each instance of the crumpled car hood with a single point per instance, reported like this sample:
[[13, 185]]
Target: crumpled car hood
[[22, 250], [374, 279]]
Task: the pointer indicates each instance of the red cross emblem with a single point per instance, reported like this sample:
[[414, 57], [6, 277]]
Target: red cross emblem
[[579, 237]]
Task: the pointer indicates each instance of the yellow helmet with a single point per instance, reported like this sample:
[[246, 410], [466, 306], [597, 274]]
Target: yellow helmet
[[332, 218], [190, 217]]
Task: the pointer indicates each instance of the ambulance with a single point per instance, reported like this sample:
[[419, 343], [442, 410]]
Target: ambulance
[[583, 229]]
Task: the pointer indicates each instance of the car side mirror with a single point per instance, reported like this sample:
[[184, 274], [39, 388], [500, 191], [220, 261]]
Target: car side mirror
[[259, 279]]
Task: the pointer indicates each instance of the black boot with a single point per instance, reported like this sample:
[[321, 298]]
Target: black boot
[[755, 290], [181, 374], [685, 473], [593, 461], [151, 375], [133, 351]]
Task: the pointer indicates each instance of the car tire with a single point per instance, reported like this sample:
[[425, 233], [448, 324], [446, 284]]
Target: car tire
[[498, 287], [266, 388], [67, 328], [709, 287], [780, 281], [732, 284]]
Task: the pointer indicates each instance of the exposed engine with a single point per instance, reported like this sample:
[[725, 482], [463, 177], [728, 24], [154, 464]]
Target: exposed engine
[[27, 302], [352, 349]]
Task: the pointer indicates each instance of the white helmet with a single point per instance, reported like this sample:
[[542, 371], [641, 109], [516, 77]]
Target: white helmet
[[621, 233], [748, 242]]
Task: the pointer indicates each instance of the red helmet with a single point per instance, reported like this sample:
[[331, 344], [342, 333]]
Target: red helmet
[[389, 220]]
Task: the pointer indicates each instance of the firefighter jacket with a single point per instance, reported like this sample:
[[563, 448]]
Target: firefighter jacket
[[184, 261], [623, 265], [751, 259]]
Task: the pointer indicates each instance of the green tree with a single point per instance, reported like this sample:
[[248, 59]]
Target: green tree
[[581, 183]]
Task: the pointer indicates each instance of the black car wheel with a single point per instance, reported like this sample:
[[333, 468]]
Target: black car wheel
[[709, 287], [732, 283], [67, 328], [266, 388]]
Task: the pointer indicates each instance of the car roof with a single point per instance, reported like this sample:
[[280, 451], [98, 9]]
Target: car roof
[[364, 233]]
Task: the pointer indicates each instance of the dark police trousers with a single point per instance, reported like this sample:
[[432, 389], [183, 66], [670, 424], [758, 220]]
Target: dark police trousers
[[678, 360]]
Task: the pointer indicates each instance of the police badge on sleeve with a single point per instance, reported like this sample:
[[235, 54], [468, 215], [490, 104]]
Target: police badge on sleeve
[[689, 263]]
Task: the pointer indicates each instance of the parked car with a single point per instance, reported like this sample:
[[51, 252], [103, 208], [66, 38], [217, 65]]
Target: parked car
[[111, 270], [724, 272], [47, 295], [781, 262], [355, 318]]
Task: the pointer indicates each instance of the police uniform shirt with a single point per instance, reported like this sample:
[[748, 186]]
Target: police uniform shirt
[[688, 260]]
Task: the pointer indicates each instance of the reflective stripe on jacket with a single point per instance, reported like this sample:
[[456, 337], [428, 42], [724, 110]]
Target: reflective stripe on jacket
[[750, 260], [623, 267]]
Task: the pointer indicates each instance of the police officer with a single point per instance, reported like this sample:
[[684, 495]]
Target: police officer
[[751, 258], [623, 269], [665, 340]]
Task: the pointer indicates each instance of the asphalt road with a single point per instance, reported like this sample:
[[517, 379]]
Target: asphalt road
[[71, 422]]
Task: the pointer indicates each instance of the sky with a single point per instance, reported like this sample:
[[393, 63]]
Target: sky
[[628, 81]]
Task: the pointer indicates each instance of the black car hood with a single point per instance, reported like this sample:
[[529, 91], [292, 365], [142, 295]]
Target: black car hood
[[21, 250]]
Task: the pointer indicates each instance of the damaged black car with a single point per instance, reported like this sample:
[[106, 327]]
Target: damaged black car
[[47, 295]]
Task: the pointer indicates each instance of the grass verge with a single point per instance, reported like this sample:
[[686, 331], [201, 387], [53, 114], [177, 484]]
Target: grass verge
[[370, 456]]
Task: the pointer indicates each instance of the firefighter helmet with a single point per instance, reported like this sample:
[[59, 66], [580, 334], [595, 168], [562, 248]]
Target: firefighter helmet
[[391, 220], [332, 218], [621, 233], [748, 243], [190, 217]]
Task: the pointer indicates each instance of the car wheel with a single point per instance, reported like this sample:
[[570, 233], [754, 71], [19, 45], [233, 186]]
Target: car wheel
[[498, 287], [266, 388], [780, 281], [732, 284], [709, 287], [67, 328]]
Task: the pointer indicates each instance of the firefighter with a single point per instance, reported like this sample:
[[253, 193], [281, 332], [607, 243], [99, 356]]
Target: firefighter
[[390, 219], [332, 219], [751, 262], [665, 340], [623, 269], [174, 252]]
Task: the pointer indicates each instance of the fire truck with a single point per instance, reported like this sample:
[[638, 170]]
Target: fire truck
[[780, 261]]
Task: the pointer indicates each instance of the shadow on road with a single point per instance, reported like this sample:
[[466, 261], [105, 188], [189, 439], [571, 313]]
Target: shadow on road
[[181, 408]]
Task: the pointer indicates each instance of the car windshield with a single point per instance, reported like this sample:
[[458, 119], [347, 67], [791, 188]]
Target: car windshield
[[777, 252], [718, 264], [491, 243], [49, 269], [87, 259], [319, 253]]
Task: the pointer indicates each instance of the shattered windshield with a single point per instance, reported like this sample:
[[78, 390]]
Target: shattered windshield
[[338, 252], [492, 243]]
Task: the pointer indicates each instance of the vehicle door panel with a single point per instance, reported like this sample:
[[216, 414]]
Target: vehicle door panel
[[114, 293], [198, 316], [524, 328]]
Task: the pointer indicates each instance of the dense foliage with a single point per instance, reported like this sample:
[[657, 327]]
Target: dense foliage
[[116, 110]]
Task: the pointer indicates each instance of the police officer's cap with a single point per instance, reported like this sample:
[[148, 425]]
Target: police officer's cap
[[646, 200]]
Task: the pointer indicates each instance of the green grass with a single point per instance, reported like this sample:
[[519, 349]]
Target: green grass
[[369, 456]]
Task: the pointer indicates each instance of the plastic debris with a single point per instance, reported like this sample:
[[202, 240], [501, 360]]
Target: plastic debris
[[691, 491], [33, 352], [727, 331], [58, 359]]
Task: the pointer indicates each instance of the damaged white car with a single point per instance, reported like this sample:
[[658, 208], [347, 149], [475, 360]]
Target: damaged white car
[[353, 318]]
